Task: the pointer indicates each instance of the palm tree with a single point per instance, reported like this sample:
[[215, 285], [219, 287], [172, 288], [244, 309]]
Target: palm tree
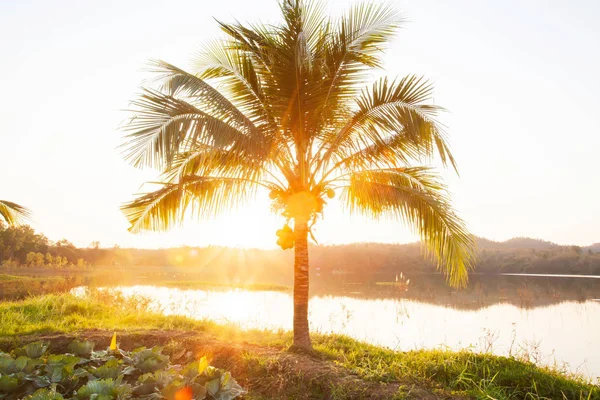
[[12, 213], [287, 108]]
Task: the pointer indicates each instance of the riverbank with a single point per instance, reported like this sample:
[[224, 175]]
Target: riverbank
[[15, 287], [20, 284], [340, 368]]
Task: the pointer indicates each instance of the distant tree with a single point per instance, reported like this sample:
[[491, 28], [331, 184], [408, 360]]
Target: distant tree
[[39, 259], [64, 243], [17, 241], [22, 245], [30, 259], [293, 114], [35, 259]]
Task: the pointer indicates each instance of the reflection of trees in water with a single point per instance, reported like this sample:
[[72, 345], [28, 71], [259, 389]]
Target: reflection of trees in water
[[483, 290]]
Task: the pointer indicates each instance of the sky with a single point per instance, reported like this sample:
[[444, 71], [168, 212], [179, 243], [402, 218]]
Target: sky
[[519, 80]]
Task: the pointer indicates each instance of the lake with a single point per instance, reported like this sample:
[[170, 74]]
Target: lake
[[549, 320]]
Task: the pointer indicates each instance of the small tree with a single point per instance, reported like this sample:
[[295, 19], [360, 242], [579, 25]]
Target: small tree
[[39, 260], [30, 259]]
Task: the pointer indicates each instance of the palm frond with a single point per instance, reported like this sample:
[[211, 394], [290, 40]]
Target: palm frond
[[175, 82], [417, 197], [164, 125], [355, 46], [13, 214], [392, 152], [222, 163], [202, 197], [236, 75], [246, 78], [388, 109]]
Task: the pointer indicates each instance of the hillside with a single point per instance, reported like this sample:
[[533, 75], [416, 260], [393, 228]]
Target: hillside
[[516, 243]]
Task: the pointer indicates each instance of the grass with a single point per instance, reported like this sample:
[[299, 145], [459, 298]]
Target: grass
[[214, 285], [10, 278], [483, 376], [68, 313], [450, 374]]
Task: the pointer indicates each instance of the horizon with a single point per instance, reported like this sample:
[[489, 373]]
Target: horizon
[[65, 166], [311, 243]]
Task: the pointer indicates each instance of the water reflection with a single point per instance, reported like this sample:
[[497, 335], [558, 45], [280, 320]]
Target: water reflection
[[524, 291], [564, 332]]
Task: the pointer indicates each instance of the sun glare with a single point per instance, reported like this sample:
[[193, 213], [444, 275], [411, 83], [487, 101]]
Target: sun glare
[[253, 226]]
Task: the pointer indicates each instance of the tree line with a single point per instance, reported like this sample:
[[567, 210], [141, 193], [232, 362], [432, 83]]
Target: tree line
[[21, 246], [358, 262]]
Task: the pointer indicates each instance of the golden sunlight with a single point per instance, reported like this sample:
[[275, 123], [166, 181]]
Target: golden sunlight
[[303, 231]]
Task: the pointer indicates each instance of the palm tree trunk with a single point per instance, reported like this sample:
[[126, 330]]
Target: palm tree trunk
[[301, 335]]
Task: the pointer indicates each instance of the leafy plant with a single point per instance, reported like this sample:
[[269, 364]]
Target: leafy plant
[[109, 374], [149, 360], [7, 365], [8, 384], [32, 350], [146, 384], [108, 370], [218, 383], [105, 389], [61, 369], [45, 394], [27, 365]]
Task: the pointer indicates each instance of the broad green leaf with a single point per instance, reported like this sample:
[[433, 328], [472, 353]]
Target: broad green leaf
[[8, 384], [213, 386], [7, 365], [45, 394], [33, 349]]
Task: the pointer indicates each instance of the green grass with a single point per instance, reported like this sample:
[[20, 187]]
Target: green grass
[[479, 376], [67, 313], [9, 278], [483, 376], [214, 285], [35, 277], [5, 278]]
